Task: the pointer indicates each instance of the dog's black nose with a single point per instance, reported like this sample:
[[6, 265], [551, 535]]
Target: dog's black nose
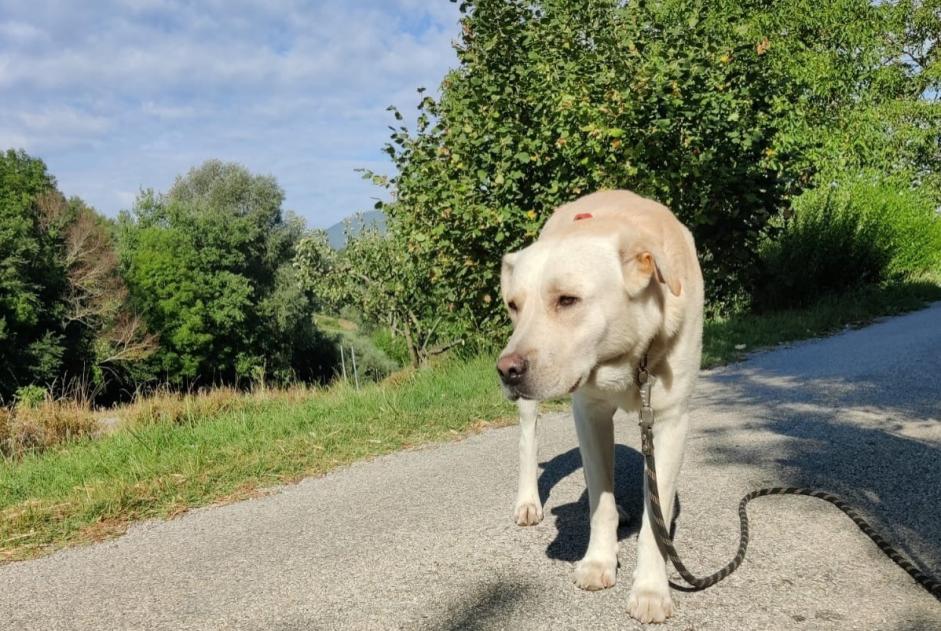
[[512, 367]]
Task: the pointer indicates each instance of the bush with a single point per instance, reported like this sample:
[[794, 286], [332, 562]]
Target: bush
[[392, 345], [30, 396], [372, 363], [861, 230]]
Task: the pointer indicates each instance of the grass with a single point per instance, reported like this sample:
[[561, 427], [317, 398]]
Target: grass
[[729, 339], [172, 452], [82, 490]]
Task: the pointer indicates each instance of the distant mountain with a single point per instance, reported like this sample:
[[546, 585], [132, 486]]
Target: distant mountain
[[336, 234]]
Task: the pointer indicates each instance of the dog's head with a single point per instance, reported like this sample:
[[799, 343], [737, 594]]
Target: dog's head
[[582, 303]]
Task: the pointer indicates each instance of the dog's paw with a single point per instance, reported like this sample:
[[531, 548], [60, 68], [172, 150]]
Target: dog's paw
[[527, 513], [650, 605], [592, 574]]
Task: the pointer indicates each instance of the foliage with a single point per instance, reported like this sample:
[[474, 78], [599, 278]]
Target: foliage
[[860, 229], [208, 266], [171, 452], [111, 339], [391, 344], [721, 110], [32, 278], [64, 317], [377, 276], [30, 396], [372, 363]]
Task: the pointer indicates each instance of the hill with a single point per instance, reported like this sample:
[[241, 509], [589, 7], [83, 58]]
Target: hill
[[336, 234]]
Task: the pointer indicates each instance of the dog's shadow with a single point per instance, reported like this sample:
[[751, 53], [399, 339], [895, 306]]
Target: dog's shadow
[[572, 520]]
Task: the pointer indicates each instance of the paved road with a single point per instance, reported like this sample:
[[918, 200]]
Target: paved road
[[424, 539]]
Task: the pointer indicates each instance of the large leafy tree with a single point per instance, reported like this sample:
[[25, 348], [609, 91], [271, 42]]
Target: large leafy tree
[[208, 266], [32, 278], [719, 109], [64, 317]]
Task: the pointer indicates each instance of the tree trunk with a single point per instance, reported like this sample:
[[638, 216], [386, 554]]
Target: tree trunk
[[410, 342]]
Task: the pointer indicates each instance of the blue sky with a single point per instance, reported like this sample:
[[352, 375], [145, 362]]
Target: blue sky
[[127, 94]]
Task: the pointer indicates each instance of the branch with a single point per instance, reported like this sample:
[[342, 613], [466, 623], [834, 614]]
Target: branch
[[445, 348], [431, 332]]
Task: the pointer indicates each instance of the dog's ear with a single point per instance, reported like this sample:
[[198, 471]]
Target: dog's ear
[[506, 270], [641, 260]]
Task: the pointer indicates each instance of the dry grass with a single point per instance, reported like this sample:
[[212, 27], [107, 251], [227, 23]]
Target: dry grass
[[32, 428], [177, 408], [53, 422]]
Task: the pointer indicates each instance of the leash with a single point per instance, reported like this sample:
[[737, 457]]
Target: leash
[[661, 532]]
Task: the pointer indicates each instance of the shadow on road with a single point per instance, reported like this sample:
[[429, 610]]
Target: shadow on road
[[870, 439], [485, 607], [572, 519]]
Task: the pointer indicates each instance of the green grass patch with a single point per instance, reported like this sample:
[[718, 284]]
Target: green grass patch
[[83, 489], [729, 339], [214, 451]]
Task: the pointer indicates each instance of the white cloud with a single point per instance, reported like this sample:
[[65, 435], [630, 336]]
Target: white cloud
[[168, 111], [63, 120], [131, 93], [20, 33]]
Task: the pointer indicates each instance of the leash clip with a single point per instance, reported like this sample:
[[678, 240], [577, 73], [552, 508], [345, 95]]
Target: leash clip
[[645, 385], [646, 430]]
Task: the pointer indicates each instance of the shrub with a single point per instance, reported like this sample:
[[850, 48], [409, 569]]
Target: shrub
[[371, 362], [208, 267], [860, 230], [392, 345], [30, 396]]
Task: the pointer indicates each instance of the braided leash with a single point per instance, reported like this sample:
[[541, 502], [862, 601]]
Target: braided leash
[[665, 541]]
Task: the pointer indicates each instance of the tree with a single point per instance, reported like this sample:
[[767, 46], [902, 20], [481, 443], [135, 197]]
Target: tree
[[64, 317], [112, 338], [208, 267], [32, 279], [721, 110], [376, 275]]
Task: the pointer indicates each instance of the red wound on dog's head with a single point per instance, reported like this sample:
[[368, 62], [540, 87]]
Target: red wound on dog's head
[[581, 216]]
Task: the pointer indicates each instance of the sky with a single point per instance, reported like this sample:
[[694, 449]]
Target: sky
[[120, 95]]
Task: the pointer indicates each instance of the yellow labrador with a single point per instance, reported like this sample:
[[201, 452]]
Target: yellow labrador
[[612, 276]]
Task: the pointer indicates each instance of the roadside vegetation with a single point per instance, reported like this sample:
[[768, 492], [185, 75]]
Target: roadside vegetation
[[192, 349], [177, 452], [72, 476]]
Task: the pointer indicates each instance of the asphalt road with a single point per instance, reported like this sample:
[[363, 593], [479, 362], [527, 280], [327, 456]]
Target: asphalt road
[[424, 539]]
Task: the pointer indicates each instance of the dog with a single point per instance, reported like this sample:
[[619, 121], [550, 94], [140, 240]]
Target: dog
[[612, 278]]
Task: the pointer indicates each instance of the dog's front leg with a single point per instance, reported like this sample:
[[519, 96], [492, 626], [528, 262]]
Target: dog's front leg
[[595, 427], [650, 594], [528, 511]]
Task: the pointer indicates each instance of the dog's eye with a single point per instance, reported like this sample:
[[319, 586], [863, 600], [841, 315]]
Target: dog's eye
[[567, 301], [511, 306]]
